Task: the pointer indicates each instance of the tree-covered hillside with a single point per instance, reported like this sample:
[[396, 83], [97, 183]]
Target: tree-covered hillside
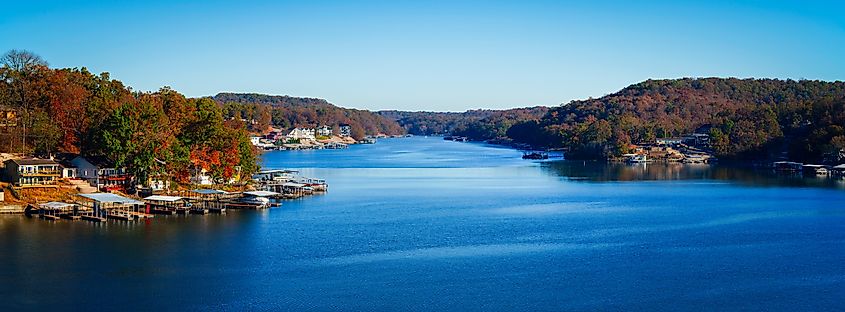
[[72, 110], [287, 111], [477, 125], [749, 119]]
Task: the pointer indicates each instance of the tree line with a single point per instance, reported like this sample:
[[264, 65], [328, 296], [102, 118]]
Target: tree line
[[153, 134], [746, 119], [263, 111], [477, 125]]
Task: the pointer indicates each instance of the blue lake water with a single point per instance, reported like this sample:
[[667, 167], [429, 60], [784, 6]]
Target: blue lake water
[[424, 224]]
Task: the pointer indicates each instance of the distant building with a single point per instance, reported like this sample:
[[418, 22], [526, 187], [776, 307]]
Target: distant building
[[301, 133], [669, 141], [32, 172], [102, 173], [68, 169], [697, 139], [274, 136], [324, 131], [201, 177], [255, 140], [158, 183], [345, 130]]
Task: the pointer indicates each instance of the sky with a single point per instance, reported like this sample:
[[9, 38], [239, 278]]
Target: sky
[[429, 55]]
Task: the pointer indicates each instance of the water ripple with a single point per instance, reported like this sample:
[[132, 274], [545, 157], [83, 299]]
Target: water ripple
[[467, 251]]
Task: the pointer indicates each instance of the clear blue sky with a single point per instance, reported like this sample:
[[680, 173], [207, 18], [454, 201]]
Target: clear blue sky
[[416, 55]]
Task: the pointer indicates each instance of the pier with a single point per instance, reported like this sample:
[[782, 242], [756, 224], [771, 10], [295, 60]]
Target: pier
[[272, 186]]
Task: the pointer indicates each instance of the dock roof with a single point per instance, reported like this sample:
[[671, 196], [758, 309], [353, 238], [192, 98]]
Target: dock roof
[[210, 192], [814, 166], [54, 205], [293, 184], [262, 193], [163, 198], [111, 198], [277, 171]]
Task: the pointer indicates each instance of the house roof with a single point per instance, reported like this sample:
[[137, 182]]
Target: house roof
[[100, 161], [111, 198], [814, 166], [65, 158], [33, 161]]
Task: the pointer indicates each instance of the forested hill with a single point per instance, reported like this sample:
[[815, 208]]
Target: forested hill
[[746, 118], [287, 111], [476, 124], [162, 134]]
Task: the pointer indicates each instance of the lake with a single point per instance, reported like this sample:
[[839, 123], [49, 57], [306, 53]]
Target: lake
[[425, 224]]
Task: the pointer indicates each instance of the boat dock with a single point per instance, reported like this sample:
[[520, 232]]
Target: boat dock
[[272, 186]]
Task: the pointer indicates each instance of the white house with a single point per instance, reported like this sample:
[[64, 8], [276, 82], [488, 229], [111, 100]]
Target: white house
[[201, 177], [301, 133], [158, 183], [69, 172], [324, 131], [255, 140], [101, 173]]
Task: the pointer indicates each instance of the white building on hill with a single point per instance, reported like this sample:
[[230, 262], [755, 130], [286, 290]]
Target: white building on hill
[[324, 131], [302, 133]]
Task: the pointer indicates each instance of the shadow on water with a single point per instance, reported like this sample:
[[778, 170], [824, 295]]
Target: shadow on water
[[594, 171]]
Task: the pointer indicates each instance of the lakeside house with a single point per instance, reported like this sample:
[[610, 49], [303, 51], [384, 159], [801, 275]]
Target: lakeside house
[[669, 141], [274, 136], [325, 131], [345, 130], [787, 166], [274, 175], [700, 140], [158, 183], [262, 142], [102, 173], [69, 171], [302, 134], [32, 172], [201, 177]]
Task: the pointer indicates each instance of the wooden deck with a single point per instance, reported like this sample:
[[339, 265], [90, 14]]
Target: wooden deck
[[121, 217], [69, 217], [93, 218], [11, 209], [49, 217], [200, 211], [162, 211]]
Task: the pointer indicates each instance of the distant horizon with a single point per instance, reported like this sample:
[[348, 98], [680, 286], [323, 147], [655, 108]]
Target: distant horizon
[[436, 56]]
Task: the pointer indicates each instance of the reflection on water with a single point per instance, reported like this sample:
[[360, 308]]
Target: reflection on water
[[613, 171]]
